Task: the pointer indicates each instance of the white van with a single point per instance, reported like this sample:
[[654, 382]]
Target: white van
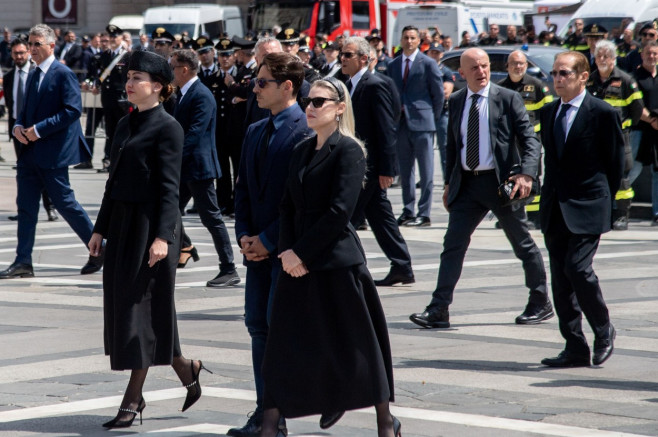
[[611, 13], [195, 18], [129, 23]]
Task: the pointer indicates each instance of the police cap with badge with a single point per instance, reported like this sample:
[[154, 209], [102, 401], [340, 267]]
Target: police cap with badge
[[113, 30], [436, 46], [161, 36], [595, 31], [202, 45], [288, 36], [225, 47], [374, 34], [303, 45], [243, 44]]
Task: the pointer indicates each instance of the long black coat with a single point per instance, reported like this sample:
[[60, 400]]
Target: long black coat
[[141, 203], [341, 358]]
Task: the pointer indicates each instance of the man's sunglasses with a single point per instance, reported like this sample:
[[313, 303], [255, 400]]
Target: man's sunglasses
[[36, 44], [262, 83], [562, 73], [346, 55], [318, 102]]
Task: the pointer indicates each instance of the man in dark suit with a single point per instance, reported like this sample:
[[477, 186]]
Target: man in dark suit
[[49, 128], [196, 111], [70, 53], [584, 160], [14, 85], [489, 133], [420, 87], [263, 171], [374, 116]]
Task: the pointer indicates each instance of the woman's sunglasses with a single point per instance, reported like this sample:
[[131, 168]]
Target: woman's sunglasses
[[318, 102]]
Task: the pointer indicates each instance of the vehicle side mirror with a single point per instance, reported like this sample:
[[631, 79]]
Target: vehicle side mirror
[[534, 71]]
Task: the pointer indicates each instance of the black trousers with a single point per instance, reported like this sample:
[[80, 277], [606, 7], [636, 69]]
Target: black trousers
[[205, 201], [47, 203], [373, 204], [575, 286], [477, 196]]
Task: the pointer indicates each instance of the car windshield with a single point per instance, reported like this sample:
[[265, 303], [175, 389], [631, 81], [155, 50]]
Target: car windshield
[[295, 15], [544, 59], [607, 22], [173, 28]]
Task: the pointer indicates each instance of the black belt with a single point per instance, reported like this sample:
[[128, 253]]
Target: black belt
[[478, 172]]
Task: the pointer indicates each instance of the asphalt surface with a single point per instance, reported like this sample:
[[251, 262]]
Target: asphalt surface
[[481, 377]]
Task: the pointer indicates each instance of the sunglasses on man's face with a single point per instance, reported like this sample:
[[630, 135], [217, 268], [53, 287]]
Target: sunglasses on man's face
[[262, 83], [562, 73], [36, 44], [318, 102]]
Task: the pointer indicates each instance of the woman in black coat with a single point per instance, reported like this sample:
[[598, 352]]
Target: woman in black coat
[[140, 219], [327, 349]]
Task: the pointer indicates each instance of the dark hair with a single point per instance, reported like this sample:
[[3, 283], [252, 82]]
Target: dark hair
[[167, 88], [283, 67], [187, 57], [18, 41], [410, 27]]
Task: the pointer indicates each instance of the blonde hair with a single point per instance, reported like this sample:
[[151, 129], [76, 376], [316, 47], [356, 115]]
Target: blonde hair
[[337, 89]]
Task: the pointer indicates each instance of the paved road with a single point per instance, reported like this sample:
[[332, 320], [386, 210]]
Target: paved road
[[481, 377]]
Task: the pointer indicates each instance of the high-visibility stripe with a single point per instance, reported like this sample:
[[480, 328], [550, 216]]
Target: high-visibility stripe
[[627, 194], [537, 127], [581, 48], [624, 102], [533, 206], [627, 123], [539, 104]]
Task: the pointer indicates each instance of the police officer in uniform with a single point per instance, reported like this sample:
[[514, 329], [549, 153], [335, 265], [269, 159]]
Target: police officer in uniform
[[618, 88], [535, 96], [304, 53], [162, 42], [289, 39], [383, 59], [111, 81]]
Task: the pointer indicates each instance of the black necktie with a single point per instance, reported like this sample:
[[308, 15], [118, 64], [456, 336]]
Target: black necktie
[[264, 145], [560, 129], [20, 91], [473, 135], [349, 85], [37, 77]]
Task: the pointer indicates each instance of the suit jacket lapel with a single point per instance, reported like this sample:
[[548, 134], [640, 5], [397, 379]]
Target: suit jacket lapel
[[548, 129], [459, 112], [495, 111], [324, 152], [359, 86], [581, 116]]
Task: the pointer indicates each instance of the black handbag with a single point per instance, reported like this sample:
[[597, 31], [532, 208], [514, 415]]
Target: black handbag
[[505, 189]]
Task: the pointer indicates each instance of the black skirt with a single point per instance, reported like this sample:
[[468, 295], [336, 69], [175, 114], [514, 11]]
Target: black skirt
[[327, 348], [139, 311]]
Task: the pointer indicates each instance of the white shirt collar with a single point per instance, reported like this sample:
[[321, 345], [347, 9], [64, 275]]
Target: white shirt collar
[[576, 101], [357, 77], [484, 92], [251, 63], [45, 65], [411, 57], [187, 86], [25, 68]]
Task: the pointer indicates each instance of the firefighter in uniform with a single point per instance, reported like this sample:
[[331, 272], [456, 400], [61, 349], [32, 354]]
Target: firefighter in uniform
[[375, 40], [112, 66], [610, 84], [535, 95], [648, 32], [577, 41]]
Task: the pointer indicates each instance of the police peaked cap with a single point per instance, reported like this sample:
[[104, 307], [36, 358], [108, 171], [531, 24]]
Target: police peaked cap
[[243, 44], [161, 35], [594, 30], [374, 34], [437, 47], [151, 63], [113, 30], [288, 36], [225, 45], [203, 44], [303, 44]]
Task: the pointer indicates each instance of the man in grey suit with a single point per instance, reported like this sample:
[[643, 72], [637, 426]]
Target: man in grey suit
[[486, 121], [420, 86]]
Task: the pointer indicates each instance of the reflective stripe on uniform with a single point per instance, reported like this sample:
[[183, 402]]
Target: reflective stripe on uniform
[[533, 206], [537, 127], [535, 106], [627, 194], [613, 101], [626, 124]]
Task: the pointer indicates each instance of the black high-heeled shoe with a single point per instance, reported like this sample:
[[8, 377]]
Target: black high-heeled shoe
[[186, 254], [123, 423], [397, 427], [193, 388]]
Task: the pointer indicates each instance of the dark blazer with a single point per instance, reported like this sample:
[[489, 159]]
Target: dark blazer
[[508, 125], [321, 194], [8, 87], [146, 160], [395, 95], [255, 112], [73, 57], [55, 111], [197, 114], [584, 180], [257, 200], [423, 95], [374, 115]]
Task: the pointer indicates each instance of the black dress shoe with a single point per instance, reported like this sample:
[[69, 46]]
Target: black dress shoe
[[87, 165], [535, 313], [419, 222], [52, 215], [404, 219], [396, 277], [567, 359], [252, 428], [13, 218], [432, 317], [94, 263], [329, 420], [603, 347], [17, 270]]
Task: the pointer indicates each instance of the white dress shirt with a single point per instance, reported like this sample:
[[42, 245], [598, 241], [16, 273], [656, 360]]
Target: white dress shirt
[[356, 78], [571, 112], [486, 153]]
